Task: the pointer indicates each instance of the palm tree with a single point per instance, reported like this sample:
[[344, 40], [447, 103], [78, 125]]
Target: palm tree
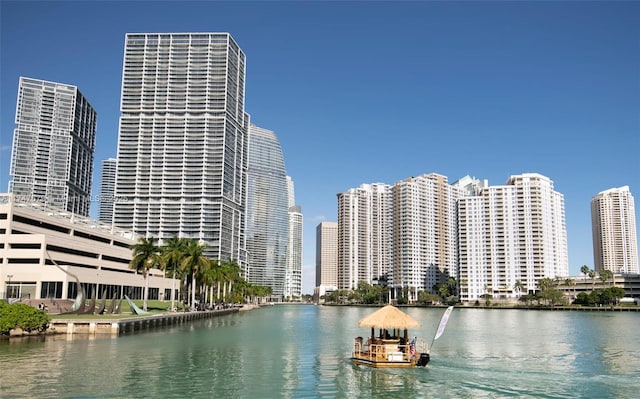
[[584, 270], [146, 255], [231, 273], [571, 283], [194, 263], [592, 275], [453, 286], [215, 276], [605, 275], [218, 277], [518, 286], [211, 277], [223, 278], [173, 252], [545, 285]]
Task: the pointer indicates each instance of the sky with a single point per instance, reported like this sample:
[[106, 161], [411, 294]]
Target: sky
[[376, 92]]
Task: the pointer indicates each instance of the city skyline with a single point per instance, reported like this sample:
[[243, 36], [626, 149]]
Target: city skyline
[[391, 90]]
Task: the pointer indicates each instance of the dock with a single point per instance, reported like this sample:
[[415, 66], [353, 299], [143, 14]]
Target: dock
[[113, 326]]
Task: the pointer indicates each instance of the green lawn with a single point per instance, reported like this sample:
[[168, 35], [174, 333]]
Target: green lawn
[[153, 307]]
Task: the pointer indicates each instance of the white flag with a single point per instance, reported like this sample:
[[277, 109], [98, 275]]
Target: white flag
[[443, 322]]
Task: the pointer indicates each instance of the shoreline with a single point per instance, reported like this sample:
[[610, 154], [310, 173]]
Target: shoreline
[[507, 307], [106, 326]]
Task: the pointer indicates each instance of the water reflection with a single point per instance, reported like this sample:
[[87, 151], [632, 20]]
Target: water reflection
[[303, 352]]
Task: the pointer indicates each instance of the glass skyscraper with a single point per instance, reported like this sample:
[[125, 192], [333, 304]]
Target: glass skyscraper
[[267, 213], [53, 145], [182, 145]]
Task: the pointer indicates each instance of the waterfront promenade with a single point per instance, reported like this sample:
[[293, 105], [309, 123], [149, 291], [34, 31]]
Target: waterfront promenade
[[106, 325], [113, 326]]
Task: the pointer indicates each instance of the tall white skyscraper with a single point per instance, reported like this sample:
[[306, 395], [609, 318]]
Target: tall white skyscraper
[[182, 145], [293, 285], [53, 145], [291, 192], [364, 235], [267, 228], [327, 255], [293, 288], [107, 190], [509, 234], [615, 241], [425, 234]]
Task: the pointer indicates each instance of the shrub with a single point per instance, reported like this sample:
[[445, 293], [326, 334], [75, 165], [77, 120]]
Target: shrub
[[22, 316]]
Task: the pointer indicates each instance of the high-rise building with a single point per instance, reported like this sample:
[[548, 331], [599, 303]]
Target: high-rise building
[[326, 258], [364, 235], [425, 234], [107, 190], [470, 185], [53, 145], [293, 284], [267, 227], [615, 242], [510, 237], [182, 145], [291, 193]]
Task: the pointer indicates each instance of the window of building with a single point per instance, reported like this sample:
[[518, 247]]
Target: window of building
[[51, 289]]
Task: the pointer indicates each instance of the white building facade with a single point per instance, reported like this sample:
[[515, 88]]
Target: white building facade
[[424, 234], [107, 190], [510, 237], [293, 286], [364, 235], [53, 146], [182, 145], [615, 241], [45, 250]]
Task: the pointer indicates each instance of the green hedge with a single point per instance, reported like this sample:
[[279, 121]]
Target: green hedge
[[23, 316]]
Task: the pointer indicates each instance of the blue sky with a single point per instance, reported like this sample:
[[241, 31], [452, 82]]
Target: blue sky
[[363, 92]]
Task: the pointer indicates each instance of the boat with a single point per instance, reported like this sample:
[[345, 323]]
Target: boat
[[392, 347]]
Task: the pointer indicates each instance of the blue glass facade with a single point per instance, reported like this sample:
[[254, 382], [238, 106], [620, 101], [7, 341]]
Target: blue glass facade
[[266, 212]]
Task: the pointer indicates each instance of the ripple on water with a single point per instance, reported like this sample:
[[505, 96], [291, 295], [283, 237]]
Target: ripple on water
[[303, 352]]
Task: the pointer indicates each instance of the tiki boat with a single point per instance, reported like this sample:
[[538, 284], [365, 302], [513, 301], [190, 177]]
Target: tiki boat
[[392, 346]]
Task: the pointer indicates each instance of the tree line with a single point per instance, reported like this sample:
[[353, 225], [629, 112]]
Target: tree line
[[546, 294], [182, 259], [366, 293]]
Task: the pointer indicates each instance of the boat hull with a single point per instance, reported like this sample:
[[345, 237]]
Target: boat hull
[[372, 361]]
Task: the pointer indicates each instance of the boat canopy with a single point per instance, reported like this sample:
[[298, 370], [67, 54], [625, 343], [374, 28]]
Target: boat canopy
[[389, 317]]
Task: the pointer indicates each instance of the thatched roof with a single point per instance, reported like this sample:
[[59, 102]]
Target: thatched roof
[[389, 317]]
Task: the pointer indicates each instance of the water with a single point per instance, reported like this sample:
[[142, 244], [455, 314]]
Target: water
[[299, 351]]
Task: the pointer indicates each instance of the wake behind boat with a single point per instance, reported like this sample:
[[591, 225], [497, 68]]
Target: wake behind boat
[[392, 346]]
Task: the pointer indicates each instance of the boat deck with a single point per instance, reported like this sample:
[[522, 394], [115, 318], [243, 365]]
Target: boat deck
[[386, 353]]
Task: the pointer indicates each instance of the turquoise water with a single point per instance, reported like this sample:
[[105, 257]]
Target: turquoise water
[[302, 351]]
